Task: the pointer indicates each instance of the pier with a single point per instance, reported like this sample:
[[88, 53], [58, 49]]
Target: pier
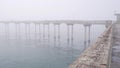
[[97, 55], [44, 26]]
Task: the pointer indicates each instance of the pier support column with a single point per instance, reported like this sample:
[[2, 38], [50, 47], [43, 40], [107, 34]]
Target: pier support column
[[59, 35], [29, 31], [72, 44], [89, 34], [35, 32], [85, 37], [48, 34], [19, 30], [7, 31], [39, 32], [68, 35], [72, 35], [16, 31], [54, 35], [0, 30], [43, 32], [26, 31]]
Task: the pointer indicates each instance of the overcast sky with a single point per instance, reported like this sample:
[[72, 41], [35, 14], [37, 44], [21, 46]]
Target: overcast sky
[[58, 9]]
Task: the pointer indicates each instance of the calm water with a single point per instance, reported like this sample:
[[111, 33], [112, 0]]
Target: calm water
[[43, 46]]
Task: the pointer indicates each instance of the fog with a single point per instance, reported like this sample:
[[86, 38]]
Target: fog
[[58, 9]]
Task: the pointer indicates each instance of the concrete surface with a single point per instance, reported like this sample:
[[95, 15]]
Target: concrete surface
[[115, 63]]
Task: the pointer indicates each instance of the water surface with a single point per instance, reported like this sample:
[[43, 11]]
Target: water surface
[[43, 46]]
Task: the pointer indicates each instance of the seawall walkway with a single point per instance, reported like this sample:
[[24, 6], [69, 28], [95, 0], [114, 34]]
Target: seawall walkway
[[97, 55], [116, 46]]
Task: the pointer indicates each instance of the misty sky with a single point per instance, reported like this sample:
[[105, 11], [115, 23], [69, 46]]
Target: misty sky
[[58, 9]]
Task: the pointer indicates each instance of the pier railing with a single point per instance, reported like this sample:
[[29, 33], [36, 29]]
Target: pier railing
[[98, 54]]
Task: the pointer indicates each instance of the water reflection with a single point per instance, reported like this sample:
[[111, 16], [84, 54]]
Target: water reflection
[[64, 42], [87, 35]]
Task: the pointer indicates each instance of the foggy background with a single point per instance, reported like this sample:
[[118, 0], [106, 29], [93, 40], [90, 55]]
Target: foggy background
[[58, 9], [40, 45]]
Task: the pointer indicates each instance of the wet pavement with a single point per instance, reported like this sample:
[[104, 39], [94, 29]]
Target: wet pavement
[[116, 47]]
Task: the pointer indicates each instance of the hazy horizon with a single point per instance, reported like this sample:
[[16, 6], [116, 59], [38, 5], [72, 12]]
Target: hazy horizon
[[58, 9]]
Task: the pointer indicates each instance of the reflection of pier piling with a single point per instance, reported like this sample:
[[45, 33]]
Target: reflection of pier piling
[[44, 34], [39, 33], [26, 31], [87, 37], [59, 35], [19, 30], [16, 32], [35, 32], [44, 31], [29, 31], [70, 35], [48, 35], [6, 31], [54, 35]]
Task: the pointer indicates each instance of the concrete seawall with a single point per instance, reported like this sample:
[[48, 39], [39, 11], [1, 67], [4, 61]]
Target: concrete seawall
[[115, 63], [97, 55]]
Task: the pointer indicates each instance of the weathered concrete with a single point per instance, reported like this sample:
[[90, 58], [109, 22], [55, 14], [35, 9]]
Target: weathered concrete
[[97, 55], [116, 46]]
